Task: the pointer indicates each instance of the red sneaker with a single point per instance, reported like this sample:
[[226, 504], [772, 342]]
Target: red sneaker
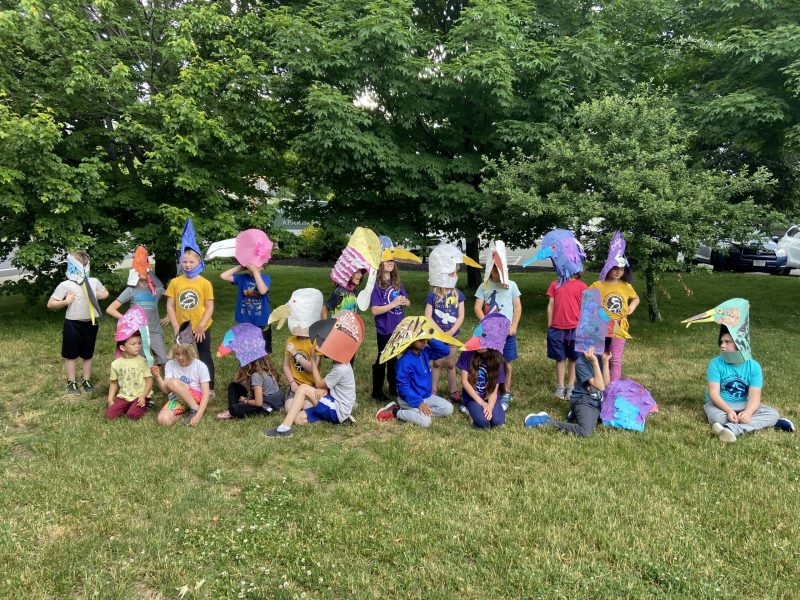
[[388, 412]]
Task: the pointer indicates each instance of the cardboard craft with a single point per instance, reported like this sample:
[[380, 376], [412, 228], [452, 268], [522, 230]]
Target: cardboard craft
[[246, 341], [735, 315], [490, 333], [443, 264], [302, 310], [410, 330], [338, 338], [593, 324]]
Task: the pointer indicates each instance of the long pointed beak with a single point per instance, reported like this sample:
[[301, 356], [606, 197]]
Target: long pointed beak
[[704, 317], [471, 263], [473, 343]]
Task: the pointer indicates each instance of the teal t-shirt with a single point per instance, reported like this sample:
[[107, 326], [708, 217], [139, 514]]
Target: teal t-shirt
[[734, 381]]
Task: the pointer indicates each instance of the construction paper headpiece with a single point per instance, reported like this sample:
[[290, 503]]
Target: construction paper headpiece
[[185, 334], [135, 319], [410, 330], [253, 247], [140, 267], [626, 405], [302, 310], [79, 273], [443, 265], [593, 323], [496, 257], [338, 338], [390, 252], [490, 333], [616, 258], [246, 341], [734, 314], [76, 270], [566, 253], [362, 253], [188, 242]]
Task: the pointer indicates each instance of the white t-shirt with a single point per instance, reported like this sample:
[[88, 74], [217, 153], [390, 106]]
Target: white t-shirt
[[342, 385], [79, 309], [193, 375]]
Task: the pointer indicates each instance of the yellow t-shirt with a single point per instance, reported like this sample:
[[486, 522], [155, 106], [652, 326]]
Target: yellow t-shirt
[[303, 347], [190, 297], [130, 374], [615, 297]]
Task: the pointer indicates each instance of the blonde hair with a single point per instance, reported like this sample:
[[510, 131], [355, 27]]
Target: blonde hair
[[189, 250], [187, 350], [443, 293]]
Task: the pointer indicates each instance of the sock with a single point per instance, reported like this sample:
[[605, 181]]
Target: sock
[[283, 428]]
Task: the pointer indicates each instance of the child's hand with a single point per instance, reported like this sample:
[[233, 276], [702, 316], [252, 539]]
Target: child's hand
[[293, 385], [164, 321], [141, 401], [320, 394], [199, 336], [242, 399], [290, 348], [195, 420], [154, 370], [606, 357], [425, 409], [253, 269], [732, 416], [69, 298], [487, 411], [590, 355], [745, 417]]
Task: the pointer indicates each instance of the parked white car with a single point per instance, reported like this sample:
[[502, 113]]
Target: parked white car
[[790, 242]]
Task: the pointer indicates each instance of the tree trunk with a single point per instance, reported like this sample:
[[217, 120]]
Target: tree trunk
[[653, 311], [473, 274], [166, 268]]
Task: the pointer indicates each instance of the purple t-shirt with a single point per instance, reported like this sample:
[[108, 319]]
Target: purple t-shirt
[[445, 311], [386, 323], [482, 378]]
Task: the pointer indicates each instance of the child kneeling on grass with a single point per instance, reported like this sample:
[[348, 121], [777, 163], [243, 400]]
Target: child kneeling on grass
[[416, 404], [130, 381], [186, 383], [331, 398]]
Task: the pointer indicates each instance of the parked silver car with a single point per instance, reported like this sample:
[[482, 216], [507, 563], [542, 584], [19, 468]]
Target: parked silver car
[[790, 242]]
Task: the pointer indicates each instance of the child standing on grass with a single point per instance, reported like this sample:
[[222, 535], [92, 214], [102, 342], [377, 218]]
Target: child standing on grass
[[734, 378], [445, 305], [482, 372], [190, 297], [499, 294], [415, 403], [386, 303], [79, 293], [186, 383], [362, 255], [130, 381], [619, 300], [332, 398], [144, 290], [255, 389]]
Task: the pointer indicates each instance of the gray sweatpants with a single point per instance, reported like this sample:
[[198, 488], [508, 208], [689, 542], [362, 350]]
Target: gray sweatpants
[[584, 416], [439, 408], [765, 416]]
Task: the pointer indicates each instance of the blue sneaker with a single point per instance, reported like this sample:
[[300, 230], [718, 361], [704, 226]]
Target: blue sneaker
[[784, 425], [537, 419]]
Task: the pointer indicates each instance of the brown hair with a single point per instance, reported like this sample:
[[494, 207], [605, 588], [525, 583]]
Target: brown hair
[[121, 343], [394, 276], [82, 257], [260, 365], [493, 360]]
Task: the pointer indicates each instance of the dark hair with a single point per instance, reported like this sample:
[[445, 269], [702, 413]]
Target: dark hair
[[493, 360], [121, 343], [723, 329]]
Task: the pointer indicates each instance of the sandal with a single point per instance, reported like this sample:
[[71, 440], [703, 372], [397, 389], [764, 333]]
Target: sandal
[[224, 415]]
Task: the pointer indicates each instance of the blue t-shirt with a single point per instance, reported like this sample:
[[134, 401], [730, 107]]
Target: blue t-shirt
[[734, 381], [496, 298], [251, 306], [445, 310], [584, 371], [385, 324], [414, 372], [482, 377]]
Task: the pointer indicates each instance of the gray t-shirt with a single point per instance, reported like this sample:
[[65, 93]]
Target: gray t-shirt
[[79, 309], [268, 385], [342, 385], [142, 297]]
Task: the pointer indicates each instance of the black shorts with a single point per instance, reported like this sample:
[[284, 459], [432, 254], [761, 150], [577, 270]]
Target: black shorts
[[78, 339]]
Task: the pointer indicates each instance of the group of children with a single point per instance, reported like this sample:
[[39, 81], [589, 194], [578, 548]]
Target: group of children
[[587, 330]]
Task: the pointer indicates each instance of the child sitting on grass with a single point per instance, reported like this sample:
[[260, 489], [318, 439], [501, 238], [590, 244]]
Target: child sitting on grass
[[130, 381], [185, 382]]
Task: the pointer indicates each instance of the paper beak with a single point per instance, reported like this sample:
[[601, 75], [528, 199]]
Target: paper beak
[[279, 315], [704, 317], [471, 263], [133, 277], [473, 343], [223, 351]]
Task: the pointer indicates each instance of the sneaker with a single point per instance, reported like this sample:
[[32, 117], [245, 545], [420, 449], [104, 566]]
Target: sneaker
[[723, 433], [224, 415], [463, 409], [456, 397], [537, 419], [211, 394], [87, 387], [505, 400], [560, 392], [72, 388], [388, 412], [276, 433], [570, 417], [784, 425], [189, 416], [351, 420]]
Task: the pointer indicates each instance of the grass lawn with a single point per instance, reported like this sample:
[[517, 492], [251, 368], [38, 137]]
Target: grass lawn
[[123, 509]]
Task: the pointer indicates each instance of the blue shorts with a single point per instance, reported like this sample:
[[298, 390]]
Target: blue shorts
[[561, 344], [325, 410], [510, 348]]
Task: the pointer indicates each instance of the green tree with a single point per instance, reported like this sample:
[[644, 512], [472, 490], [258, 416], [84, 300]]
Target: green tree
[[627, 160], [119, 120]]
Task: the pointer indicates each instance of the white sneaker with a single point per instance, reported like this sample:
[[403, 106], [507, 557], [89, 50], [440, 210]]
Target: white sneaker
[[724, 434]]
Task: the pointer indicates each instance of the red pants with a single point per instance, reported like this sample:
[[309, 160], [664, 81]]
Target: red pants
[[124, 407]]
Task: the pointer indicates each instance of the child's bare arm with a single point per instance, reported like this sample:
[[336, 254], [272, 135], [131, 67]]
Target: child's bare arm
[[173, 318], [516, 317], [228, 275], [55, 304], [113, 388], [113, 309], [550, 312], [479, 308]]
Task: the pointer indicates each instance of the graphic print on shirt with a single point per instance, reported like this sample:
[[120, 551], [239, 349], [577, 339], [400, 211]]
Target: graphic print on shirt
[[492, 305], [144, 299], [347, 302], [392, 295], [251, 301], [614, 304], [188, 299], [446, 311], [735, 387], [481, 379], [297, 356]]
